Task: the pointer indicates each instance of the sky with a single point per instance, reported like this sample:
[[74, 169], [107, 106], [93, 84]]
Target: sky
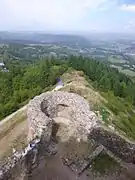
[[68, 15]]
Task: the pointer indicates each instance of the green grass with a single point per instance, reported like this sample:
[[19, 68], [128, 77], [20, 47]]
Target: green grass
[[104, 113], [124, 116], [117, 67], [125, 71], [128, 72], [104, 163]]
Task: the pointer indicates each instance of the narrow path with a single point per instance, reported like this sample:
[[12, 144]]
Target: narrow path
[[12, 115], [15, 138]]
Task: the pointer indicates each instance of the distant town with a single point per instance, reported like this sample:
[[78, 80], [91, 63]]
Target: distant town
[[118, 52]]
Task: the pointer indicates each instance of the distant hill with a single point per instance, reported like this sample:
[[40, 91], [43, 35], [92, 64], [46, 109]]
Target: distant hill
[[42, 38]]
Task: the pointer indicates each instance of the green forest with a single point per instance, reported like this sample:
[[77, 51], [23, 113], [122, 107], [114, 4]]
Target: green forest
[[24, 81], [28, 79]]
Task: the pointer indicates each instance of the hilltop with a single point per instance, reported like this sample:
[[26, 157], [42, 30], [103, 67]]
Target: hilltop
[[104, 164]]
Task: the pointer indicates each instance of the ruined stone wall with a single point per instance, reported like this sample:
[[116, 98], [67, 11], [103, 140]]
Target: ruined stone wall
[[85, 122], [115, 143], [15, 171], [38, 121], [21, 164], [18, 167], [42, 111]]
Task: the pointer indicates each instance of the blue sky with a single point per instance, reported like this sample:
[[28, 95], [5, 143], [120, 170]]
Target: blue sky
[[68, 15]]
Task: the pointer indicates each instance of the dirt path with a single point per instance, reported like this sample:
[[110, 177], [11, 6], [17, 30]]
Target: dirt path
[[8, 118], [15, 138], [13, 133]]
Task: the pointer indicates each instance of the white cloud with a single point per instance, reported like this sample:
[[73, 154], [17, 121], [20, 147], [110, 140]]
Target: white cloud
[[49, 13], [69, 15], [127, 7]]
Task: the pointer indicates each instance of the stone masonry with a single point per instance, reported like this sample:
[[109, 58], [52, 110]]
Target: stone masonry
[[84, 124], [72, 112], [43, 110]]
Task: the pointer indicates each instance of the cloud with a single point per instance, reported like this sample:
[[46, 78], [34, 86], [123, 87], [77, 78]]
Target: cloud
[[128, 7], [52, 13], [63, 15]]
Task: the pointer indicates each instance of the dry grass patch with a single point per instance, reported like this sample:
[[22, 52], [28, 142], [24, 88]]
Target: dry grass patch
[[13, 134], [76, 82]]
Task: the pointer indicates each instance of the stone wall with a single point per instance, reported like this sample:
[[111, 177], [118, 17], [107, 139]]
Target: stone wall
[[21, 164], [115, 143], [18, 167], [38, 121], [42, 112], [83, 119]]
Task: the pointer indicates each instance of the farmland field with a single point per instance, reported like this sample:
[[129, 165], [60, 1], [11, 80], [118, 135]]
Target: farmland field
[[116, 59]]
